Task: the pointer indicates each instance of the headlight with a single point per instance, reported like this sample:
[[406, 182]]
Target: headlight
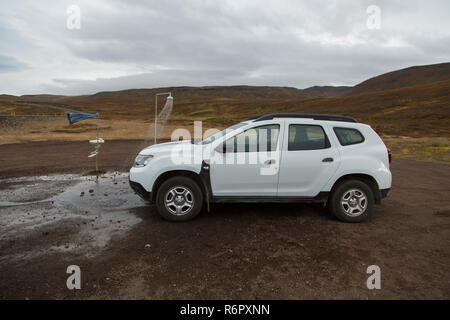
[[142, 161]]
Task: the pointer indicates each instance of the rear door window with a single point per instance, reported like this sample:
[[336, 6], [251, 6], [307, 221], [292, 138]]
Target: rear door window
[[307, 137]]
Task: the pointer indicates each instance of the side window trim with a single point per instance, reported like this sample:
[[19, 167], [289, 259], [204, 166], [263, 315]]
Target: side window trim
[[351, 143], [327, 140]]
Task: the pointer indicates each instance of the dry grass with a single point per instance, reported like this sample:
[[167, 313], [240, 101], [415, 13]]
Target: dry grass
[[19, 130], [429, 149]]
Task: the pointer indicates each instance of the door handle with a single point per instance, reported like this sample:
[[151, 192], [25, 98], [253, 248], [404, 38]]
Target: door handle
[[269, 162], [327, 160]]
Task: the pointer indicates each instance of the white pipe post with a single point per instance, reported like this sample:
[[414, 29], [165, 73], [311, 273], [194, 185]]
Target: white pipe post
[[156, 109], [156, 114], [96, 156]]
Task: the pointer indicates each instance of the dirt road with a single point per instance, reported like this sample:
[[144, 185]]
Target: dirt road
[[125, 250]]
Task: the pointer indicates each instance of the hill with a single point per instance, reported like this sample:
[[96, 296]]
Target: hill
[[407, 77], [410, 102], [326, 91]]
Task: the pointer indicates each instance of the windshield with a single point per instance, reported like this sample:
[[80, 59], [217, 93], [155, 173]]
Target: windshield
[[222, 133]]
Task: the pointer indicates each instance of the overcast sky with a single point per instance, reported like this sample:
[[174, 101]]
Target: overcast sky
[[144, 44]]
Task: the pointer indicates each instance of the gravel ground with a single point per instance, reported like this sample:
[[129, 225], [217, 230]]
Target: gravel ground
[[53, 216]]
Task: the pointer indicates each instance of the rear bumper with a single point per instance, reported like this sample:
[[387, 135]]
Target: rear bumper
[[140, 191]]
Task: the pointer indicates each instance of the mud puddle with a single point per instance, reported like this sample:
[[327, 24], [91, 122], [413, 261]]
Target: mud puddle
[[64, 213]]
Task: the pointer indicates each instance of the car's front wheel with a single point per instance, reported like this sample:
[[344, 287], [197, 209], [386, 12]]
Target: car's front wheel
[[179, 199], [352, 201]]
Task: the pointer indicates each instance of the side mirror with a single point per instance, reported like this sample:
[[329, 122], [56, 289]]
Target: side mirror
[[225, 147], [222, 148]]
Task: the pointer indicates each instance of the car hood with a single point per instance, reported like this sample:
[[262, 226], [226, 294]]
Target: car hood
[[163, 147]]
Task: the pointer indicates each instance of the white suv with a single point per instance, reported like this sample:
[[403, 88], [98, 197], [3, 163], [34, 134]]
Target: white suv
[[273, 158]]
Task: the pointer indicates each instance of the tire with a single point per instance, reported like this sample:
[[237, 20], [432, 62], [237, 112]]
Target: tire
[[352, 201], [179, 199]]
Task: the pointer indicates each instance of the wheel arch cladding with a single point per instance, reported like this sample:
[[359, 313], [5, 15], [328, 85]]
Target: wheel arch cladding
[[175, 173], [367, 179]]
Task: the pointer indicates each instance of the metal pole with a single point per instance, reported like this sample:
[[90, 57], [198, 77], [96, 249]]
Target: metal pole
[[96, 156], [156, 114], [156, 109]]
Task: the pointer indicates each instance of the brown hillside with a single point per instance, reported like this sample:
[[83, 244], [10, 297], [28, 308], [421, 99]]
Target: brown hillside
[[419, 110], [413, 111], [326, 91], [139, 103], [408, 77]]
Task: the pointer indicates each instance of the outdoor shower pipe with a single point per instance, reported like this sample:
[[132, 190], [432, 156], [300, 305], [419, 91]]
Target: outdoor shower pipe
[[156, 106]]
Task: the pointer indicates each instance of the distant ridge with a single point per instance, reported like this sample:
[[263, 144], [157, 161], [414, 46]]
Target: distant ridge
[[326, 91], [408, 77]]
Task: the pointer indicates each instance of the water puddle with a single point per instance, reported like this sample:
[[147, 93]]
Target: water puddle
[[92, 214]]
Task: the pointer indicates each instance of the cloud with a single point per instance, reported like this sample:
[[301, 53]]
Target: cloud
[[11, 64], [168, 43]]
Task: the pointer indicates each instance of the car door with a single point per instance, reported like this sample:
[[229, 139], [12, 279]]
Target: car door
[[246, 165], [309, 159]]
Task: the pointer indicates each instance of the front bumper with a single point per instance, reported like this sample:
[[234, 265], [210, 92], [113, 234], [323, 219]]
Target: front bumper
[[140, 191], [384, 192]]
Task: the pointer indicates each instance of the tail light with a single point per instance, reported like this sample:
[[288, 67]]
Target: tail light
[[389, 154]]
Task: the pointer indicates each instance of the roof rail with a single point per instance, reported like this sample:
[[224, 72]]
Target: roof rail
[[315, 116]]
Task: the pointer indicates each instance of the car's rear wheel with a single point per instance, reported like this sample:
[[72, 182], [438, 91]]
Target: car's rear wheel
[[179, 199], [352, 201]]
